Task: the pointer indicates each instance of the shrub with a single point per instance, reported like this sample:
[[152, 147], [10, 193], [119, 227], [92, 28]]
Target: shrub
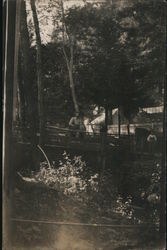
[[69, 177], [124, 207]]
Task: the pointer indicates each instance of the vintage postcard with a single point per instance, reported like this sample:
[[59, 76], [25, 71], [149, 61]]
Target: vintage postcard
[[84, 125]]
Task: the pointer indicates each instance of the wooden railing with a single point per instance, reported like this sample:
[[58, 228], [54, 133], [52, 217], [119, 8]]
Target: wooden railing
[[67, 137]]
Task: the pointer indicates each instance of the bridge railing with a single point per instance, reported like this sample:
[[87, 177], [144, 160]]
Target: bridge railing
[[56, 135]]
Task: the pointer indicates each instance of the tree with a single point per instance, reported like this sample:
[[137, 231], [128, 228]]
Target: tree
[[39, 71], [95, 39], [27, 75], [109, 35], [143, 27], [98, 66], [8, 169], [101, 57], [68, 44], [58, 102], [28, 87]]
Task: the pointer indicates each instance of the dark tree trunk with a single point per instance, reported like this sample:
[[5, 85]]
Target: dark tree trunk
[[16, 59], [119, 122], [128, 128], [8, 171], [28, 86], [39, 72], [162, 228], [21, 103]]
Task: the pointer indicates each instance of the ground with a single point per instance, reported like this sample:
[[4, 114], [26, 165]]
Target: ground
[[48, 205]]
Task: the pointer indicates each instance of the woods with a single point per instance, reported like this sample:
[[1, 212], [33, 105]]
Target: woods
[[101, 64], [86, 49]]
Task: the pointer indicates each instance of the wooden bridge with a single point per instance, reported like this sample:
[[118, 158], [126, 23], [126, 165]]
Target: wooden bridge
[[66, 139], [63, 137], [56, 137]]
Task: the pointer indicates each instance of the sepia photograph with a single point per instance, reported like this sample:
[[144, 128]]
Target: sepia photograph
[[84, 93]]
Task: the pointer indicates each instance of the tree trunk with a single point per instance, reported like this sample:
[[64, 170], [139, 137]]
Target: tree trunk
[[27, 81], [119, 122], [162, 228], [69, 59], [10, 8], [128, 128], [21, 104], [73, 92], [39, 72], [163, 164], [16, 58]]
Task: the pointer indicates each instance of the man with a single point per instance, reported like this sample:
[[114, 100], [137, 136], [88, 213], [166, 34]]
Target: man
[[76, 125]]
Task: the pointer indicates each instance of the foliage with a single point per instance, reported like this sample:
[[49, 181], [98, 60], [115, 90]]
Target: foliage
[[141, 182], [124, 207], [99, 61], [111, 43], [129, 185], [56, 87], [73, 178], [145, 38], [152, 194], [116, 56], [68, 178], [56, 91]]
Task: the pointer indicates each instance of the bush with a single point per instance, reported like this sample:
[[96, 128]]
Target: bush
[[69, 178], [124, 207], [151, 195], [142, 204]]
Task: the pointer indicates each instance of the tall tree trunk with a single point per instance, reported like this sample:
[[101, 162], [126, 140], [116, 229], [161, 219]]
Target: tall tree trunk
[[21, 103], [119, 122], [163, 164], [39, 72], [10, 8], [69, 59], [162, 228], [73, 92], [16, 58], [27, 81]]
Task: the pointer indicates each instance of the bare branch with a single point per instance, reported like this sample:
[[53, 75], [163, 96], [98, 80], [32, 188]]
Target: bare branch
[[64, 21], [66, 57], [71, 54], [45, 156]]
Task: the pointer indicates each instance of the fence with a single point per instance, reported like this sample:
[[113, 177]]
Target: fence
[[113, 129]]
